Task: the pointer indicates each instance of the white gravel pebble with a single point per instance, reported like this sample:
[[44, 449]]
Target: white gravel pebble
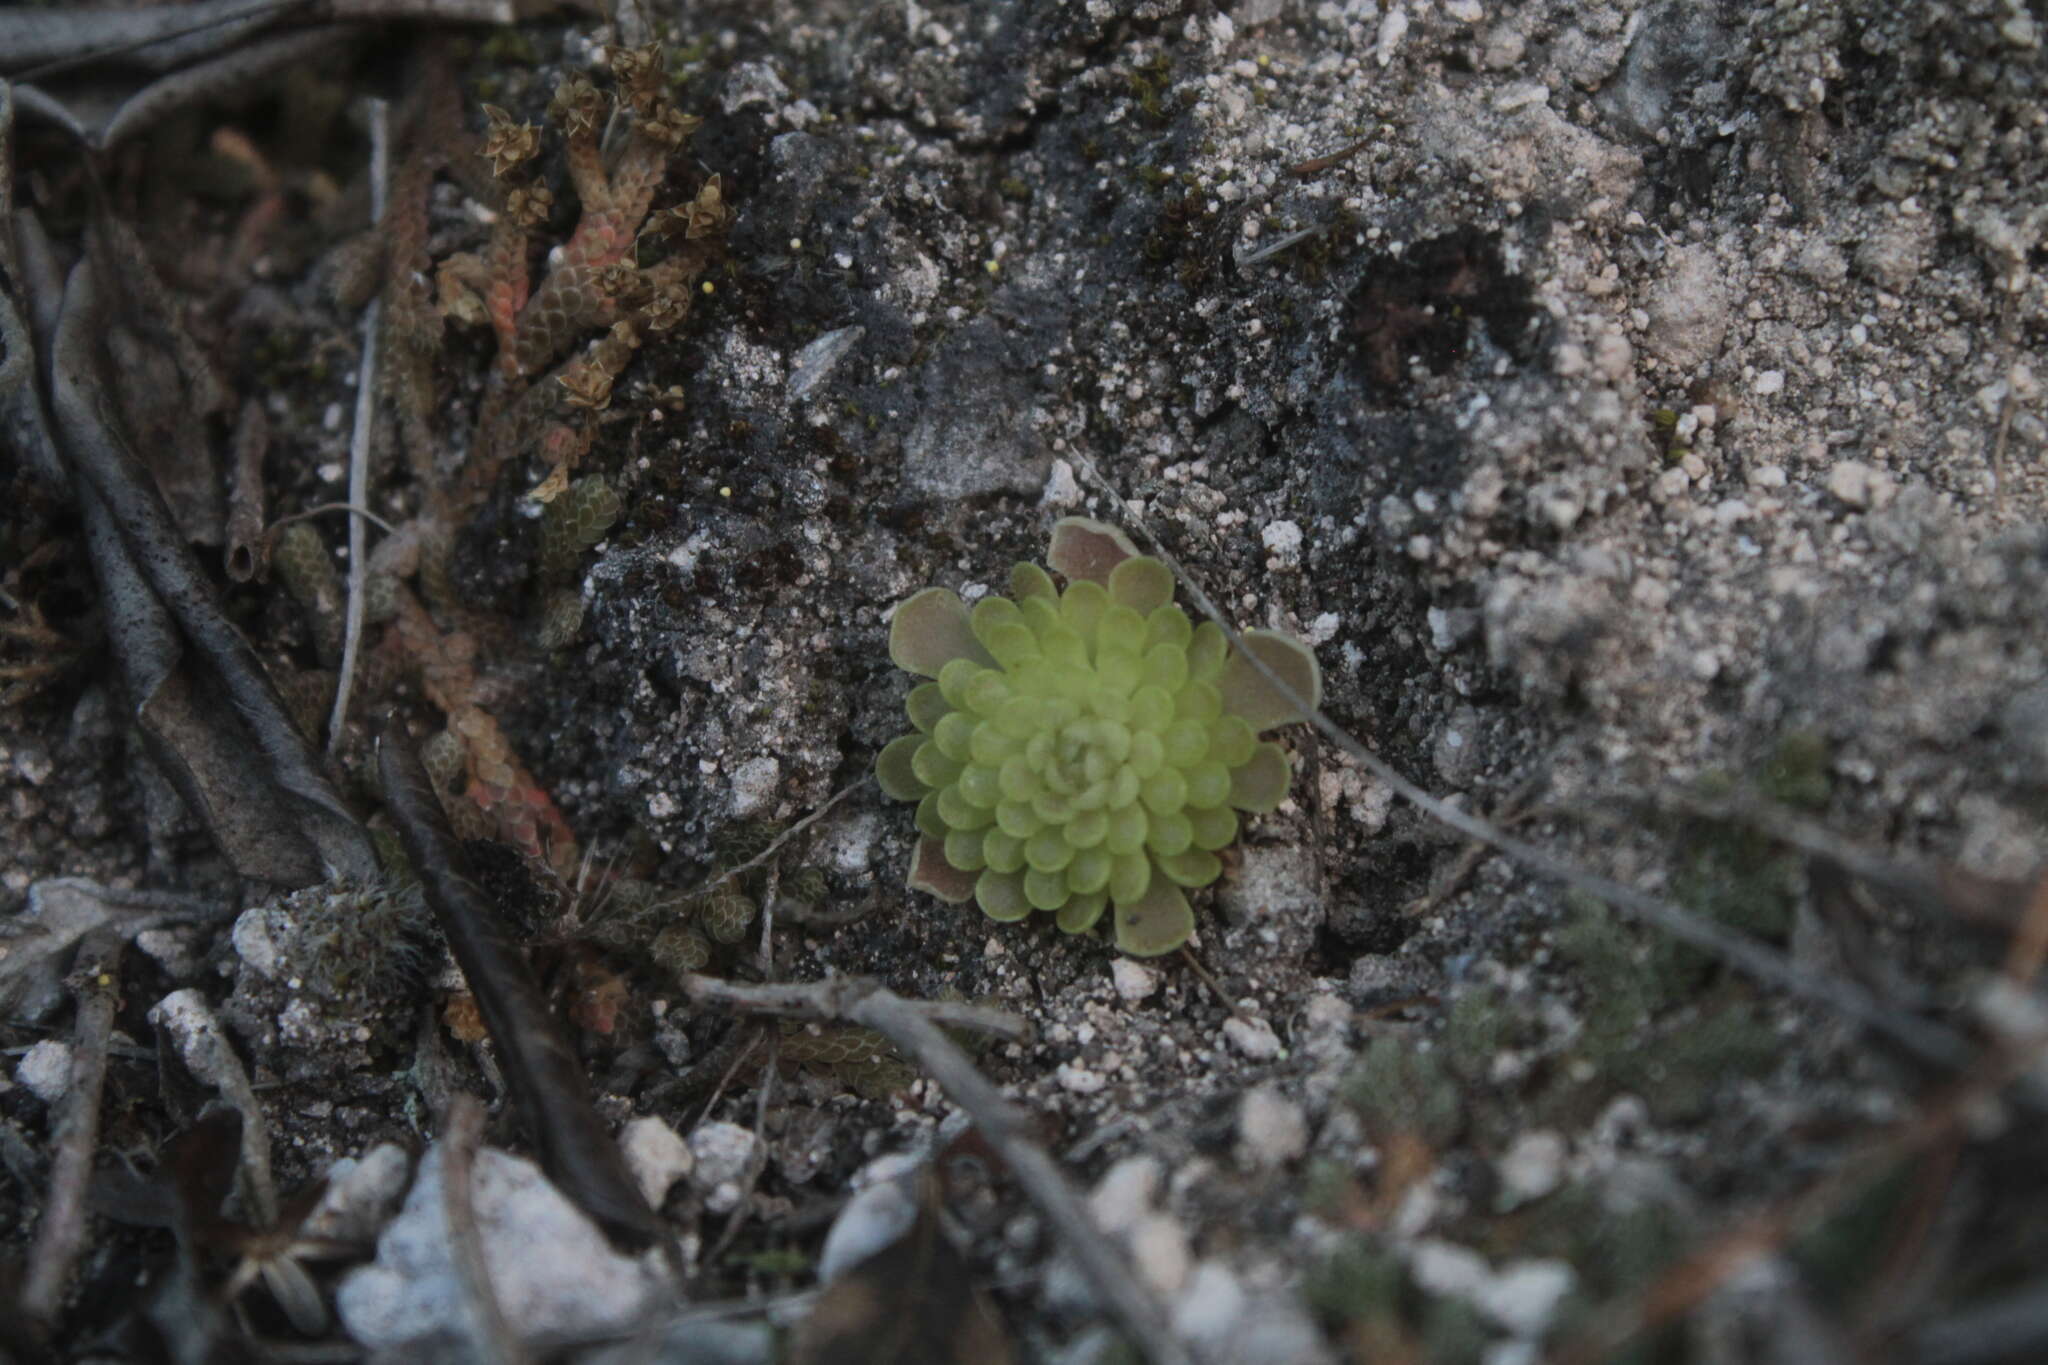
[[1253, 1038], [656, 1156], [46, 1070]]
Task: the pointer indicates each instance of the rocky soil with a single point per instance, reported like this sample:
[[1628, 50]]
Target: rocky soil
[[1625, 399]]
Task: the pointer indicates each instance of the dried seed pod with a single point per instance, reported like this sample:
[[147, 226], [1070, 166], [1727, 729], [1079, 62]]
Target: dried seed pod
[[530, 205], [640, 72], [308, 573], [680, 949], [668, 125], [577, 107], [509, 144]]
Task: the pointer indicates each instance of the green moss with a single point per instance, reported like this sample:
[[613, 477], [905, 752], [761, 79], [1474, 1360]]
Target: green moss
[[1361, 1282], [1476, 1031], [1399, 1087], [1841, 1254], [1797, 771], [1453, 1333]]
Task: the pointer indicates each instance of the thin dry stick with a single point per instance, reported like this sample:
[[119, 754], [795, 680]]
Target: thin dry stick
[[1128, 1298], [61, 1236], [246, 553], [822, 1002], [776, 847], [914, 1027], [359, 439], [1930, 1042], [459, 1144], [321, 509]]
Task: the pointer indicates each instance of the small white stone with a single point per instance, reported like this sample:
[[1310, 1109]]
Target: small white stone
[[1532, 1167], [1613, 357], [1524, 1296], [1282, 540], [1061, 488], [1079, 1079], [874, 1218], [46, 1070], [1254, 1038], [1856, 484], [554, 1272], [361, 1194], [1134, 981], [656, 1156], [1271, 1129], [753, 785], [1126, 1192], [721, 1153], [1768, 383]]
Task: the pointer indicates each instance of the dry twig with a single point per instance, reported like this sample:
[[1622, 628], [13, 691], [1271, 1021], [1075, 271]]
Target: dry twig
[[824, 1002], [359, 439], [61, 1234], [459, 1144], [914, 1028]]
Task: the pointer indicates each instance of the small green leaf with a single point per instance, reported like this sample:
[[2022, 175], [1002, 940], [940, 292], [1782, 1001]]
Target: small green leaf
[[893, 769], [1028, 580], [1080, 913], [1260, 785], [1001, 895], [1157, 922], [1192, 867], [1141, 583], [926, 705]]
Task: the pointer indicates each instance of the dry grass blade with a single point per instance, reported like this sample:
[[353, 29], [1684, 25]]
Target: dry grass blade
[[359, 439], [541, 1071]]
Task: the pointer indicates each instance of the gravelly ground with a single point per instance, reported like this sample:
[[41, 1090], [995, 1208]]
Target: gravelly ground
[[1616, 395]]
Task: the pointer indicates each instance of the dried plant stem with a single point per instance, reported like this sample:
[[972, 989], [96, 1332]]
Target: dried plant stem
[[322, 509], [61, 1234], [776, 847], [825, 1002], [460, 1142], [914, 1027], [1928, 1041], [359, 439]]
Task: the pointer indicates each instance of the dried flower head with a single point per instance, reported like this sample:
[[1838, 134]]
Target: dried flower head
[[1086, 749], [530, 205], [577, 106], [509, 144]]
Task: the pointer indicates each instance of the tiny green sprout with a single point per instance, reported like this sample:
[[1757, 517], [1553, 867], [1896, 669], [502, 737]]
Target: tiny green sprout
[[1086, 749]]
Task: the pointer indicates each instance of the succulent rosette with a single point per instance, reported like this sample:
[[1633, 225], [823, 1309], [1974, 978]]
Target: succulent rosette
[[1088, 749]]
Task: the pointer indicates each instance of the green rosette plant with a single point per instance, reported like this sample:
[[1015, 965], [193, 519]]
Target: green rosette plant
[[1088, 749]]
